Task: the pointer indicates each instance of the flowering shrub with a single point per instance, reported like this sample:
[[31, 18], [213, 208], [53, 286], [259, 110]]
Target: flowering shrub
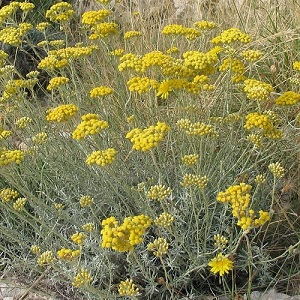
[[160, 164]]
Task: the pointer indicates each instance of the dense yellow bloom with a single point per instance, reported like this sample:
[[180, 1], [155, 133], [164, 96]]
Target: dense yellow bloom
[[42, 26], [86, 201], [60, 12], [257, 90], [46, 258], [35, 249], [51, 62], [205, 25], [177, 29], [89, 227], [102, 157], [82, 278], [78, 238], [190, 159], [158, 192], [61, 113], [8, 194], [117, 52], [260, 179], [56, 82], [13, 36], [167, 86], [67, 254], [172, 50], [4, 134], [252, 55], [8, 10], [159, 247], [194, 180], [40, 138], [276, 169], [100, 91], [288, 98], [91, 124], [131, 34], [141, 84], [231, 35], [148, 138], [19, 204], [124, 237], [71, 53], [221, 264], [23, 122], [233, 64], [130, 61], [94, 17], [255, 139], [103, 30], [11, 156], [201, 129], [296, 65], [220, 241], [164, 220], [128, 288]]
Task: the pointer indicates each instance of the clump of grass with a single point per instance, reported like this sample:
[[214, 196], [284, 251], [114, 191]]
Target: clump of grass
[[157, 166]]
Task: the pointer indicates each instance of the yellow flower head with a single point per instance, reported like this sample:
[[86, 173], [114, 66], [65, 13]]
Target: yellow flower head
[[82, 278], [61, 113], [221, 264], [78, 238], [159, 247], [60, 12], [128, 288], [102, 157]]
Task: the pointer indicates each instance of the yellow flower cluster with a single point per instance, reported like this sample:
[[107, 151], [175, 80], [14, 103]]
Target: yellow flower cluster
[[124, 237], [159, 247], [177, 29], [42, 26], [167, 86], [232, 64], [172, 50], [128, 288], [148, 138], [260, 179], [91, 124], [100, 91], [78, 238], [3, 57], [205, 24], [257, 90], [288, 98], [198, 181], [56, 82], [296, 65], [40, 138], [255, 139], [231, 35], [82, 278], [220, 241], [158, 192], [23, 122], [102, 157], [35, 249], [27, 6], [252, 55], [46, 258], [141, 84], [51, 62], [117, 52], [221, 264], [8, 194], [19, 204], [11, 156], [263, 122], [103, 30], [60, 12], [130, 61], [276, 169], [197, 128], [67, 254], [13, 36], [8, 10], [164, 220], [89, 227], [59, 206], [61, 113], [93, 18], [4, 134], [131, 34], [71, 53], [86, 201], [190, 159], [239, 198], [201, 61]]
